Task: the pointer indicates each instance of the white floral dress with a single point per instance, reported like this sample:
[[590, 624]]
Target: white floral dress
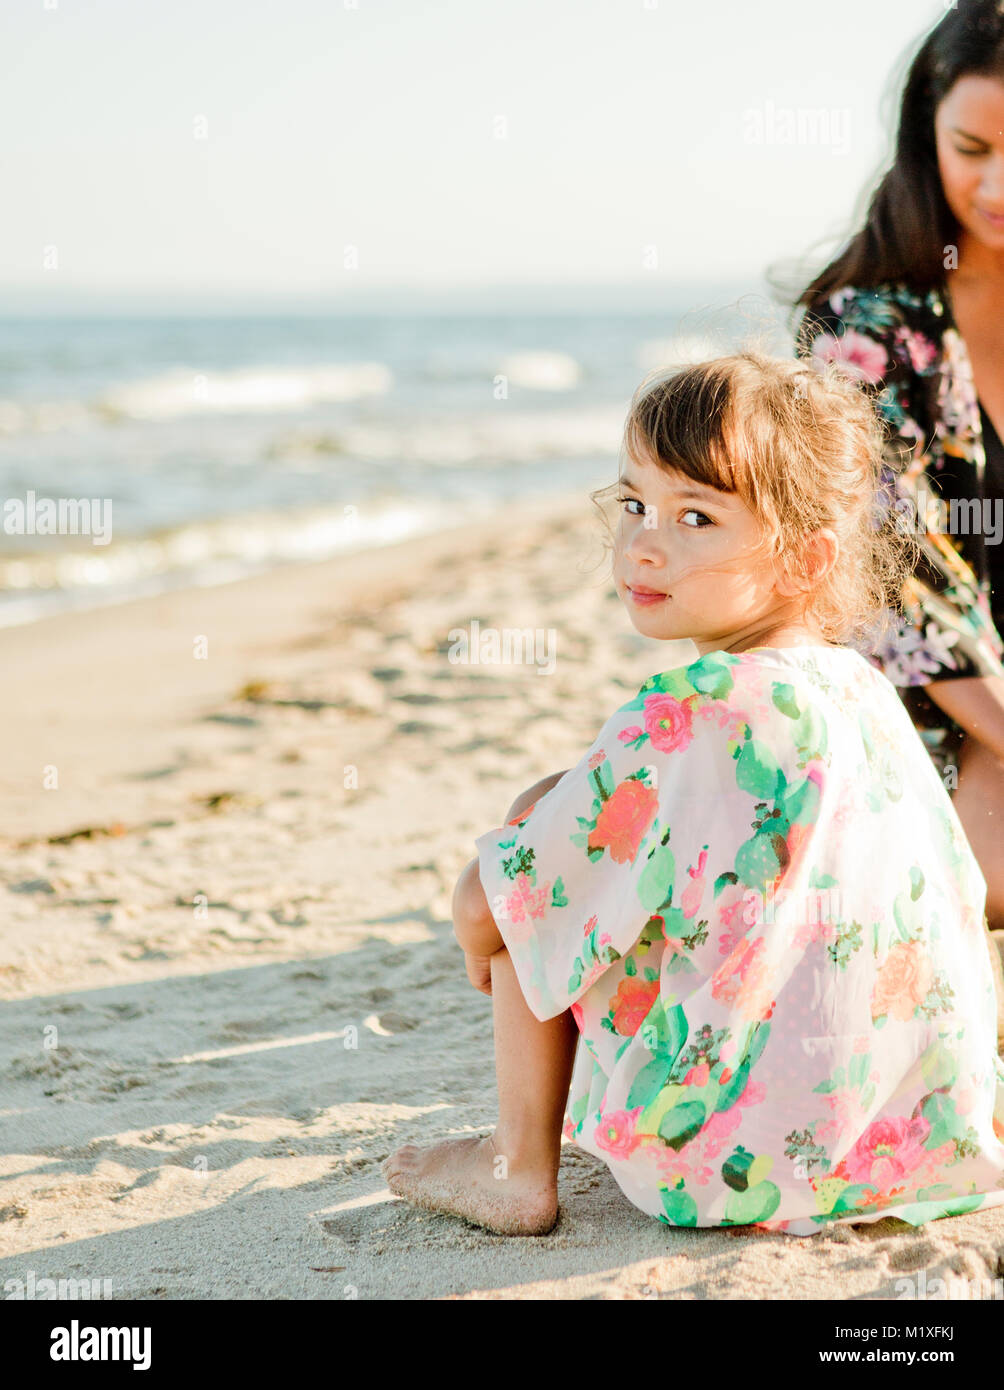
[[755, 896]]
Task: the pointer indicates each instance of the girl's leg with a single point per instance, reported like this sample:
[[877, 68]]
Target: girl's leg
[[533, 1069], [979, 802], [508, 1182]]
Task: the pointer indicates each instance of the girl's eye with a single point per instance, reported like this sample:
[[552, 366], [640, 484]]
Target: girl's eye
[[972, 152], [692, 511], [637, 501]]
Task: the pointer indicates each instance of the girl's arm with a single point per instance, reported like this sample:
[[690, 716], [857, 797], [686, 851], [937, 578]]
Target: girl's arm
[[473, 923], [977, 703]]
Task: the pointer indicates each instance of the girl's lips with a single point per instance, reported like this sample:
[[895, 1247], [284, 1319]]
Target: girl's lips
[[995, 219], [645, 597]]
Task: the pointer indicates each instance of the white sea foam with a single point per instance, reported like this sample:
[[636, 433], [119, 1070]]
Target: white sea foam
[[541, 371], [500, 435], [186, 391]]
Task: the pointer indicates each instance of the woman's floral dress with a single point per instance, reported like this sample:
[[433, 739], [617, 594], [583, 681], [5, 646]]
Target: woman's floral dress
[[906, 350], [755, 896]]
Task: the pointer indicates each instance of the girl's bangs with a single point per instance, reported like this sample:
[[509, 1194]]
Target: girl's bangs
[[683, 423]]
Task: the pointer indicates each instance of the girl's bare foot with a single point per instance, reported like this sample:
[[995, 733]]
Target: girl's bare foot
[[470, 1178]]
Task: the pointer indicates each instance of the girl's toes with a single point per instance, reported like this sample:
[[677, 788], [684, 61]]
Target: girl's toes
[[399, 1161]]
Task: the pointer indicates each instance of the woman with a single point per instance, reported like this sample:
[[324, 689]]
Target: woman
[[914, 308]]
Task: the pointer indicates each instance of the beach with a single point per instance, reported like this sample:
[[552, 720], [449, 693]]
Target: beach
[[233, 819]]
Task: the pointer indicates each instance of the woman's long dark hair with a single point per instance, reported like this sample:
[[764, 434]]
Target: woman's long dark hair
[[908, 223]]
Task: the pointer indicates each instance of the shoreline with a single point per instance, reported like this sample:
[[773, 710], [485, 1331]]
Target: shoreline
[[135, 707]]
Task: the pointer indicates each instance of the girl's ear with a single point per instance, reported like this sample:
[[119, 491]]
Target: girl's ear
[[820, 550]]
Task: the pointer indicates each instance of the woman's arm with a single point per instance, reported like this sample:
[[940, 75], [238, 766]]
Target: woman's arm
[[977, 703], [473, 923]]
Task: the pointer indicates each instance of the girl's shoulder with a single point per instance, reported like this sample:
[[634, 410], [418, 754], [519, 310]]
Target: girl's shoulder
[[776, 691], [729, 675]]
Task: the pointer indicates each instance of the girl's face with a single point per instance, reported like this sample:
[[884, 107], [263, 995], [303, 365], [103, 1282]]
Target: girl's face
[[681, 563], [969, 134]]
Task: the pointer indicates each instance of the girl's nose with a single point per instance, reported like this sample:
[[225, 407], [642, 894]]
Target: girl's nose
[[643, 548]]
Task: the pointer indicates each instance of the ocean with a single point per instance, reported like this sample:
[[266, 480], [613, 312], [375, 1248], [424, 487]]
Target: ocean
[[141, 454]]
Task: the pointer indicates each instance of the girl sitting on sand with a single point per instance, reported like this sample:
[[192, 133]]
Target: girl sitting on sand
[[752, 896]]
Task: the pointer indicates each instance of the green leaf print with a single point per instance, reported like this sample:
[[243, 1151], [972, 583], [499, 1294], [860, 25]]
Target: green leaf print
[[676, 683], [736, 1168], [649, 1082], [858, 1068], [909, 920], [723, 880], [856, 1196], [848, 941], [558, 898], [916, 882], [679, 1206], [757, 771], [602, 779], [681, 1123], [711, 676], [761, 859], [758, 1203], [800, 802], [784, 699], [655, 885], [663, 1034], [938, 1110], [520, 863], [734, 1087], [939, 1068], [810, 733]]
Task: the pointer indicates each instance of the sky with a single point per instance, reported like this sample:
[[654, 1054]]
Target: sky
[[198, 151]]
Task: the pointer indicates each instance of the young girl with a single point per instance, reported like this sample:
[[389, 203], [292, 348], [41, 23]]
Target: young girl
[[752, 896]]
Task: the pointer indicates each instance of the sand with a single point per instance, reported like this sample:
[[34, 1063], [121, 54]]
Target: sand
[[229, 977]]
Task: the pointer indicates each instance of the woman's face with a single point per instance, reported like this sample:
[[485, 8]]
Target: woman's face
[[969, 133]]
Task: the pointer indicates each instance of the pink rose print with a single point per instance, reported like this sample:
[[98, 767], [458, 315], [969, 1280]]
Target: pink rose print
[[669, 722], [848, 1112], [670, 1165], [631, 1004], [623, 820], [921, 351], [616, 1132], [587, 929], [525, 900], [740, 980], [697, 1076], [888, 1151], [597, 759], [902, 982], [629, 735], [858, 356], [690, 899]]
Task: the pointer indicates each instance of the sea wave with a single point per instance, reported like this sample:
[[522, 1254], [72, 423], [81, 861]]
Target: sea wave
[[197, 555], [502, 435], [185, 391]]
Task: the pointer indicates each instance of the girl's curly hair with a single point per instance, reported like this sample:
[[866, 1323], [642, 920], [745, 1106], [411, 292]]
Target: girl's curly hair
[[802, 445]]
